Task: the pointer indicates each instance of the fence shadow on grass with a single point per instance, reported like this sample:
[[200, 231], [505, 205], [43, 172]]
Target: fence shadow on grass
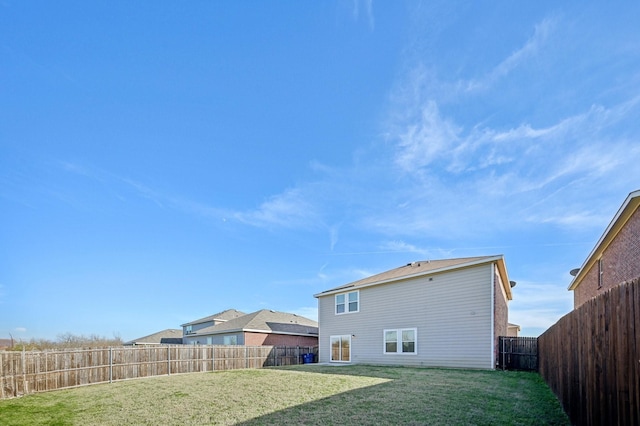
[[403, 395]]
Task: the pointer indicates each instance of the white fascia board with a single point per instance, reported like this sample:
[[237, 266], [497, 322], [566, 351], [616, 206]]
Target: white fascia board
[[580, 275]]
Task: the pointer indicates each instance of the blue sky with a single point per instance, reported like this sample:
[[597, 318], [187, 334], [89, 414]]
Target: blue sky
[[163, 161]]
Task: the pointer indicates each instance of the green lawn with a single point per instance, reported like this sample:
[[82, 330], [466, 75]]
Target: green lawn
[[310, 394]]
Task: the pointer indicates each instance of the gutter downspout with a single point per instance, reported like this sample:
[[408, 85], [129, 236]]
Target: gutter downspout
[[493, 320]]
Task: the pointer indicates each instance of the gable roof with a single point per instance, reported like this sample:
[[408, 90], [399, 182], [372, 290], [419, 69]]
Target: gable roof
[[227, 315], [166, 337], [623, 215], [426, 267], [265, 321]]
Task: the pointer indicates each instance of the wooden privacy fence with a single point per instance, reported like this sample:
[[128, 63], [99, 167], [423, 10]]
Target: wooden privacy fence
[[25, 372], [591, 358], [518, 353]]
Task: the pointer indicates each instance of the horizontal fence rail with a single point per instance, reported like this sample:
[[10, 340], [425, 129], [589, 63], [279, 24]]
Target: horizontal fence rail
[[518, 353], [591, 358], [26, 372]]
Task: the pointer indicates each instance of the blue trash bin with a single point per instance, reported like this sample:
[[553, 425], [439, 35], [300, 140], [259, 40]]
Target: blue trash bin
[[307, 358]]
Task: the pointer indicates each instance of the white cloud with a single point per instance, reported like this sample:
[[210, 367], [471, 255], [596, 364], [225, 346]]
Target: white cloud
[[20, 329], [530, 49], [367, 5], [425, 140], [291, 209]]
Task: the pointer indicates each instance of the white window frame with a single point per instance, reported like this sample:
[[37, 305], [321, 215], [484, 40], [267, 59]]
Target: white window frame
[[399, 341], [341, 337], [347, 302], [600, 273]]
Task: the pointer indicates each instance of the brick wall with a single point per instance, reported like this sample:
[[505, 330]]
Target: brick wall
[[620, 262], [267, 339]]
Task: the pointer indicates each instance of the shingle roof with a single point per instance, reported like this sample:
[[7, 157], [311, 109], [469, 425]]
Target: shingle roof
[[227, 315], [266, 321], [168, 336], [409, 270]]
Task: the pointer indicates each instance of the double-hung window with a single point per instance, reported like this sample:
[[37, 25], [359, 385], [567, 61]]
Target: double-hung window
[[401, 341], [347, 302]]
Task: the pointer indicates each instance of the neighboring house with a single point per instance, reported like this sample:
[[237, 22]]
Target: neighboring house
[[615, 258], [259, 328], [193, 326], [6, 344], [513, 330], [444, 313], [164, 337]]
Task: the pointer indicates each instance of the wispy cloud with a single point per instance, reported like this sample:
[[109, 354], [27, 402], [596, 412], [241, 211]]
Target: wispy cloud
[[364, 7], [517, 58], [290, 209]]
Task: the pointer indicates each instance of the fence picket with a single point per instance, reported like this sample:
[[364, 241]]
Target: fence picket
[[590, 358], [23, 372]]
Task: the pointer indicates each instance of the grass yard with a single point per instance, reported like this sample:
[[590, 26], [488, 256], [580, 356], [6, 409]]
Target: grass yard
[[309, 394]]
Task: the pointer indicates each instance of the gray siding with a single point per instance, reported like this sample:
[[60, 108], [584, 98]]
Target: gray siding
[[216, 339], [452, 312]]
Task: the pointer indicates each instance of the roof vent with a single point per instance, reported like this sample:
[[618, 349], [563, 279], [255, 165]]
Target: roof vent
[[512, 284], [574, 272]]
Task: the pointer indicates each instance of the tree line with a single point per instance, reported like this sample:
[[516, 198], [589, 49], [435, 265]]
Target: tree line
[[66, 341]]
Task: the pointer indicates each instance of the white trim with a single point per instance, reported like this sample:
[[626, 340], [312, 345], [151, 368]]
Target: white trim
[[493, 315], [346, 303], [350, 348], [250, 330], [399, 341], [580, 275]]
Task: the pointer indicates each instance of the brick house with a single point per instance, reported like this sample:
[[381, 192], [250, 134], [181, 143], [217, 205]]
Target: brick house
[[260, 328], [615, 257]]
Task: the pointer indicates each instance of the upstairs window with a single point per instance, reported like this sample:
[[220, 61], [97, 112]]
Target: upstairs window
[[600, 273], [347, 302], [188, 330]]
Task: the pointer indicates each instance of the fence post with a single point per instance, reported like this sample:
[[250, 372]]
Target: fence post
[[168, 360], [24, 371], [110, 364], [1, 377], [297, 354]]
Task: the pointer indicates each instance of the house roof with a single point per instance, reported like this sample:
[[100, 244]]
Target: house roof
[[623, 215], [426, 267], [5, 343], [265, 321], [167, 337], [227, 315]]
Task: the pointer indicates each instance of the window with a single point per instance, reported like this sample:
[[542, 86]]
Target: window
[[188, 329], [230, 340], [600, 273], [347, 302], [341, 348], [401, 341]]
